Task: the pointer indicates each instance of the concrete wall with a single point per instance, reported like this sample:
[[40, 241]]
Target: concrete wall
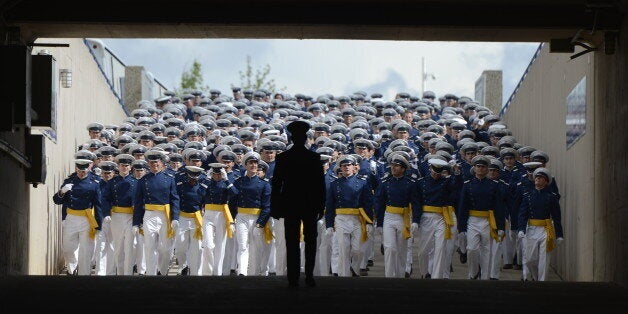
[[591, 174], [88, 100]]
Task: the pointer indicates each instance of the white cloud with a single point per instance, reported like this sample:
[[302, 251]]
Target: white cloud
[[338, 67]]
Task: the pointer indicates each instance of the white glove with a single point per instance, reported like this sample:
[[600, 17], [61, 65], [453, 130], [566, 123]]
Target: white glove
[[232, 227], [500, 233], [135, 230], [369, 228], [259, 231], [481, 122], [107, 219], [414, 228], [373, 166], [66, 188], [174, 224], [329, 231], [559, 241], [521, 235], [223, 174], [379, 230]]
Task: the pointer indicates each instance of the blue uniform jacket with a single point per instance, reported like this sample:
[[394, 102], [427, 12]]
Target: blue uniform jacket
[[349, 192], [85, 193], [431, 192], [119, 191], [155, 188], [480, 194], [219, 192], [397, 192], [521, 191], [541, 204], [254, 192], [191, 197]]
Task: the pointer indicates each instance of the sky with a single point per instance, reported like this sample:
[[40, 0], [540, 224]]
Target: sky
[[337, 67]]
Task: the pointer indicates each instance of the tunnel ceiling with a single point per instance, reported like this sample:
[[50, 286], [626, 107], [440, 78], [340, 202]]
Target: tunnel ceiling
[[445, 20]]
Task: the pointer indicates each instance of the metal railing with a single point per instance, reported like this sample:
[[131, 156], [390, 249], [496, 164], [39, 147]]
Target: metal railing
[[514, 92]]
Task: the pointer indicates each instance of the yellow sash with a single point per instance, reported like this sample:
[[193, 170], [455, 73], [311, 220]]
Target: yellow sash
[[405, 212], [301, 237], [364, 218], [549, 229], [165, 208], [198, 221], [122, 210], [249, 210], [268, 233], [228, 219], [446, 212], [91, 218], [491, 221]]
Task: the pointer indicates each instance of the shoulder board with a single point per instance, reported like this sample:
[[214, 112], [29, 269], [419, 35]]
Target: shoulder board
[[170, 174], [554, 193], [180, 182], [385, 179], [414, 176], [519, 183], [386, 175], [495, 181], [334, 176], [362, 177], [504, 182], [467, 181], [412, 180], [204, 185], [266, 179]]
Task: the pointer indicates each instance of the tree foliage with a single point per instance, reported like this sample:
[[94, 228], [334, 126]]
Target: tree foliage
[[192, 79], [258, 78]]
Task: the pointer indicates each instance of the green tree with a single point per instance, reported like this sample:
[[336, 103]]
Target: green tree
[[193, 79], [258, 79]]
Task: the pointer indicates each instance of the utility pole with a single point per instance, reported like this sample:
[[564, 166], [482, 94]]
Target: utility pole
[[425, 76]]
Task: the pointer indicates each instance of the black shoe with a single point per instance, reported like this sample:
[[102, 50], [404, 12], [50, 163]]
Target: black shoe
[[451, 268], [493, 279], [463, 258], [185, 271], [367, 269], [353, 274], [158, 273], [364, 272], [233, 273], [335, 274], [407, 275], [477, 276], [427, 276], [272, 274], [507, 266], [309, 281], [381, 249], [517, 267], [135, 269], [369, 263]]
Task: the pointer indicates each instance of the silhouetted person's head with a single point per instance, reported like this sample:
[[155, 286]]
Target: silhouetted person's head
[[298, 132]]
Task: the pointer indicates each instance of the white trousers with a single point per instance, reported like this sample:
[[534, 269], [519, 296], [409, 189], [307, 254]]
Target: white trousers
[[157, 246], [431, 246], [478, 246], [104, 254], [537, 258], [214, 243], [512, 246], [188, 247], [122, 241], [249, 244], [78, 247], [323, 254], [395, 245], [279, 258], [496, 258], [140, 258], [348, 234], [450, 248]]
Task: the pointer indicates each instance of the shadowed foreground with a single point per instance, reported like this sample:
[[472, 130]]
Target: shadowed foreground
[[271, 294]]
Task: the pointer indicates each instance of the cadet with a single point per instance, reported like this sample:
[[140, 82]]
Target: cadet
[[139, 168], [253, 203], [218, 222], [393, 198], [433, 218], [189, 234], [118, 197], [81, 196], [481, 217], [540, 225], [497, 250], [521, 191], [104, 254], [156, 205], [349, 210]]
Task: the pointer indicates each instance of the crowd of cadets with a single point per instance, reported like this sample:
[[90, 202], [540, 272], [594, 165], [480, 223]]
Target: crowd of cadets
[[185, 179]]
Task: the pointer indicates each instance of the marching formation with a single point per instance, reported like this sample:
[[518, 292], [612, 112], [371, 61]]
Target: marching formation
[[186, 179]]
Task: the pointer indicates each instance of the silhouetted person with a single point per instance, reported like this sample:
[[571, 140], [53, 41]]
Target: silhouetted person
[[298, 195]]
